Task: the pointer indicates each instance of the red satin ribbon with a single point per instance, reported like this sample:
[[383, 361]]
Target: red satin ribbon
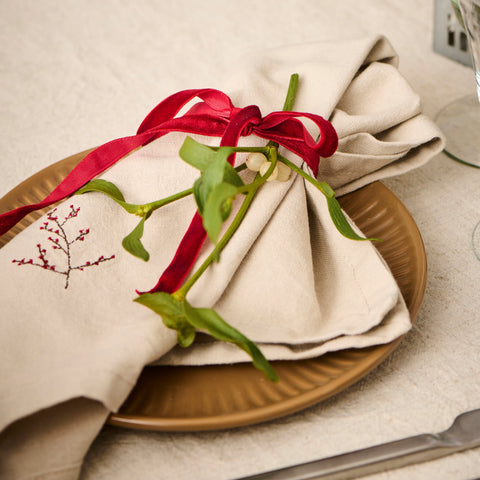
[[214, 116]]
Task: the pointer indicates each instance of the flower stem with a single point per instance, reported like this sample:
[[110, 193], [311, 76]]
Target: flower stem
[[165, 201], [245, 149], [152, 206], [324, 187], [182, 291], [289, 101], [291, 93]]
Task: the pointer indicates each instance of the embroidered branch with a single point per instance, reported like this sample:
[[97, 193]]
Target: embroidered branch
[[59, 240]]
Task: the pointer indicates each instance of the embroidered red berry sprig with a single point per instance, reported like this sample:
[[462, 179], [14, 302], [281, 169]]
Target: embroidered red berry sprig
[[59, 240]]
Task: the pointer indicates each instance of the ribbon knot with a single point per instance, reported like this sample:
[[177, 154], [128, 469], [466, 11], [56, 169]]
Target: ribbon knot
[[214, 116], [246, 121], [248, 129]]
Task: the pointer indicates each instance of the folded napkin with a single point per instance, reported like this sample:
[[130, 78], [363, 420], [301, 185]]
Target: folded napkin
[[72, 344]]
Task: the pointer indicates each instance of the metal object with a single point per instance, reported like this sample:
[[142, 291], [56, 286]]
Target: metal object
[[449, 39], [462, 435]]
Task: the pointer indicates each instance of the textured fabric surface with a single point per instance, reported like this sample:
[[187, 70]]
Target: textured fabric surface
[[76, 74]]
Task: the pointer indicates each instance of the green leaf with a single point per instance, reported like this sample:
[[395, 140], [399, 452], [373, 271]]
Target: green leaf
[[173, 314], [201, 156], [185, 334], [164, 304], [132, 243], [196, 154], [336, 213], [218, 172], [217, 208], [326, 189], [213, 163], [210, 321], [179, 315], [341, 222], [103, 186], [200, 193], [214, 173], [226, 207], [230, 175], [110, 189], [211, 177]]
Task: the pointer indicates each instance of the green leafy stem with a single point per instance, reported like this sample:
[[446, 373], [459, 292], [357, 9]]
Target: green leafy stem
[[214, 192]]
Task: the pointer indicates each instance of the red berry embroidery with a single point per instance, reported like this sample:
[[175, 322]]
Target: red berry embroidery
[[60, 241]]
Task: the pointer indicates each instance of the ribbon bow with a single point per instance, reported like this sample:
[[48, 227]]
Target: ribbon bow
[[214, 116]]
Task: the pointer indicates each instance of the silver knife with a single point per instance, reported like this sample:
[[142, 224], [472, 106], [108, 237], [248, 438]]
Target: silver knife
[[462, 435]]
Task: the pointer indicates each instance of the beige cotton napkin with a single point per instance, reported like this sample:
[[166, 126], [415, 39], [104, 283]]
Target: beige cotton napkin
[[71, 352]]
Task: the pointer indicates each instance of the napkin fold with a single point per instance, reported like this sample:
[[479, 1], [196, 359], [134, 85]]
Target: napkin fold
[[72, 344]]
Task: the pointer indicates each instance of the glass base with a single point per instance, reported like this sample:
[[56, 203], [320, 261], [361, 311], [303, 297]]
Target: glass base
[[476, 240], [460, 123]]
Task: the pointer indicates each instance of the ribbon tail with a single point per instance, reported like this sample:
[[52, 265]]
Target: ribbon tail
[[184, 258], [92, 165], [11, 218]]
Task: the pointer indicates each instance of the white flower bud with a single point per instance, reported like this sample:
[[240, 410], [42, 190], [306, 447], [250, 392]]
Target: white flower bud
[[255, 160], [283, 172], [263, 170]]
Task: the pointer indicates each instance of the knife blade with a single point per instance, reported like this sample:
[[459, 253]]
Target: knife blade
[[463, 434]]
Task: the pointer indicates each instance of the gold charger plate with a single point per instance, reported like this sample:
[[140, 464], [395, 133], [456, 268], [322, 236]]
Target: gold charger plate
[[224, 396]]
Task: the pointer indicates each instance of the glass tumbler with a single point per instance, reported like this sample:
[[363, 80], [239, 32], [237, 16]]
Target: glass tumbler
[[460, 120]]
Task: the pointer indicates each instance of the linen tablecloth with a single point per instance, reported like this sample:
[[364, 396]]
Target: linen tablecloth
[[70, 68]]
